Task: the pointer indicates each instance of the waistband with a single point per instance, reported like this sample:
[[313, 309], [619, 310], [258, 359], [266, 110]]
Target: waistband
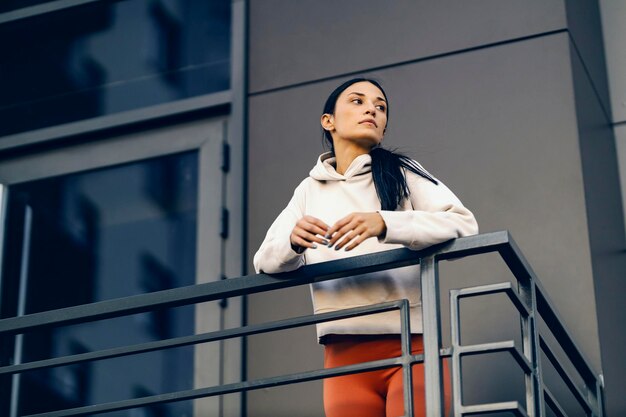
[[362, 338]]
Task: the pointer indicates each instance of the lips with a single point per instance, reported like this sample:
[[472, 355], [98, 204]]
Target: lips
[[369, 121]]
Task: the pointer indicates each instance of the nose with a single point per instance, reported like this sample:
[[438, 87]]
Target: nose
[[370, 109]]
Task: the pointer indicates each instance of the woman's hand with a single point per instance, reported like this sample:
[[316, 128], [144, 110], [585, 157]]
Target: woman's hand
[[307, 232], [355, 228]]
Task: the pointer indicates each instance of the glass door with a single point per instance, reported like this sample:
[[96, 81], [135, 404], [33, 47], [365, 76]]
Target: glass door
[[108, 220]]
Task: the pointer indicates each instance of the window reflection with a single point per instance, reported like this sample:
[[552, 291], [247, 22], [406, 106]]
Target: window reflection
[[98, 235], [107, 57], [9, 5]]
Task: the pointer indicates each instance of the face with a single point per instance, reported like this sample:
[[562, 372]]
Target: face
[[360, 116]]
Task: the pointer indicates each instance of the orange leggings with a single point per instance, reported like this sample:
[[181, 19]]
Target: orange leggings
[[377, 393]]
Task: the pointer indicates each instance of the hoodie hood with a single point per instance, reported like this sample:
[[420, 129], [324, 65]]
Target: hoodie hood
[[324, 169]]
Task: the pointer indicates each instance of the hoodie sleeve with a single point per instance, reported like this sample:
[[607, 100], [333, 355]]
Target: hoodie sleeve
[[276, 254], [437, 215]]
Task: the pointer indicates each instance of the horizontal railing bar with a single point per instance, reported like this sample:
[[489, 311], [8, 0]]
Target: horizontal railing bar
[[205, 337], [234, 387], [553, 403], [517, 263], [549, 352], [510, 406], [505, 346], [252, 284], [555, 323], [502, 287], [467, 246]]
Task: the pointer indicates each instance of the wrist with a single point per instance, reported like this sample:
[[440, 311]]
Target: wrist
[[383, 228], [297, 249]]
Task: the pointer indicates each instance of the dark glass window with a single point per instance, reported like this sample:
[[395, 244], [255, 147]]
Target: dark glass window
[[107, 57], [9, 5], [93, 236]]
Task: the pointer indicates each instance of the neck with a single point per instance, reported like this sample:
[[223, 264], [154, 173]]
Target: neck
[[345, 154]]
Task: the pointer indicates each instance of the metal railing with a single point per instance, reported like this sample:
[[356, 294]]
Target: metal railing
[[529, 298]]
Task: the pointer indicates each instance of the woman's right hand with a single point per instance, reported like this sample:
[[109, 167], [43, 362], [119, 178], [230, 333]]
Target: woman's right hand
[[307, 232]]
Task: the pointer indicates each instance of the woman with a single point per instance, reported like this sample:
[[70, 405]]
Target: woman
[[359, 199]]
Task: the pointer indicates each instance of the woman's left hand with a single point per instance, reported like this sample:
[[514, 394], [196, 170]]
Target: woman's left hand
[[355, 228]]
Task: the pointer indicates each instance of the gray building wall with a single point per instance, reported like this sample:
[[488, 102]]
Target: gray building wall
[[610, 287], [486, 95]]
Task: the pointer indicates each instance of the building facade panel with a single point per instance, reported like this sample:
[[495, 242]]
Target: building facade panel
[[620, 145], [585, 27], [295, 42], [614, 30], [604, 202], [593, 56]]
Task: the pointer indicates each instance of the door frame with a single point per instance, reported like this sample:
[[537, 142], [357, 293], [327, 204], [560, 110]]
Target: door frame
[[205, 136]]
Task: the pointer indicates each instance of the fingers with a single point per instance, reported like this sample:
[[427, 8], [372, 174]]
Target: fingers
[[306, 235], [343, 236], [298, 242], [354, 229], [352, 237], [356, 242], [348, 232], [308, 232], [340, 228], [313, 225], [347, 229]]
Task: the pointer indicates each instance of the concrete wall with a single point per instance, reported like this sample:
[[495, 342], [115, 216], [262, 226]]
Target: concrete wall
[[484, 95], [610, 284], [295, 42]]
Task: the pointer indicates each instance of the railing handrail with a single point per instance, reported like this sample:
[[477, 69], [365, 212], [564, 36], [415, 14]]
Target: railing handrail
[[501, 242], [251, 284]]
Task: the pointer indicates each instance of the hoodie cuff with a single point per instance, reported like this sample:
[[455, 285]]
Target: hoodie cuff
[[289, 257], [397, 229]]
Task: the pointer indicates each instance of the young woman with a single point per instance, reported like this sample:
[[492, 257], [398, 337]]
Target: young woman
[[361, 198]]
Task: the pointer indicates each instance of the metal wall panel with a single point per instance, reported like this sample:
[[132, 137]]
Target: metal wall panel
[[585, 27], [604, 207], [499, 127], [295, 41], [613, 18], [620, 144], [608, 243]]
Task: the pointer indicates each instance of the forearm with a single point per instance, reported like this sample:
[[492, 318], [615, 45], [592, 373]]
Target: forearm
[[419, 229], [436, 215], [277, 255]]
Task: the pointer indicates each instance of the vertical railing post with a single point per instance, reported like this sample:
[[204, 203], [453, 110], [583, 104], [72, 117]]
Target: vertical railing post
[[432, 337], [455, 341], [21, 308], [407, 378], [540, 410], [600, 395], [535, 403], [524, 288], [593, 396]]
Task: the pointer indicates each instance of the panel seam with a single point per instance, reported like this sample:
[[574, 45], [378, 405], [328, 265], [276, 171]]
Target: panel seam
[[408, 62]]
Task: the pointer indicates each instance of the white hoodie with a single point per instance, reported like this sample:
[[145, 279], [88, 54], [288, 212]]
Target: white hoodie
[[432, 214]]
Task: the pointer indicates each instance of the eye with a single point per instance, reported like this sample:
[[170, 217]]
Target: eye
[[381, 107], [357, 100]]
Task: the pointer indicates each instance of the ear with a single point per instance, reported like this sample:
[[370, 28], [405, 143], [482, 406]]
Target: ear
[[327, 121]]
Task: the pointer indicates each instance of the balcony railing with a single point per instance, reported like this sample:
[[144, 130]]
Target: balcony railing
[[528, 296]]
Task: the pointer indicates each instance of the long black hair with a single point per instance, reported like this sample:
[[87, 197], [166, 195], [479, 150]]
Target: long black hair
[[387, 165]]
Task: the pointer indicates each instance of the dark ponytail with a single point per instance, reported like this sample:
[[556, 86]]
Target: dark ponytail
[[387, 166], [389, 178]]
